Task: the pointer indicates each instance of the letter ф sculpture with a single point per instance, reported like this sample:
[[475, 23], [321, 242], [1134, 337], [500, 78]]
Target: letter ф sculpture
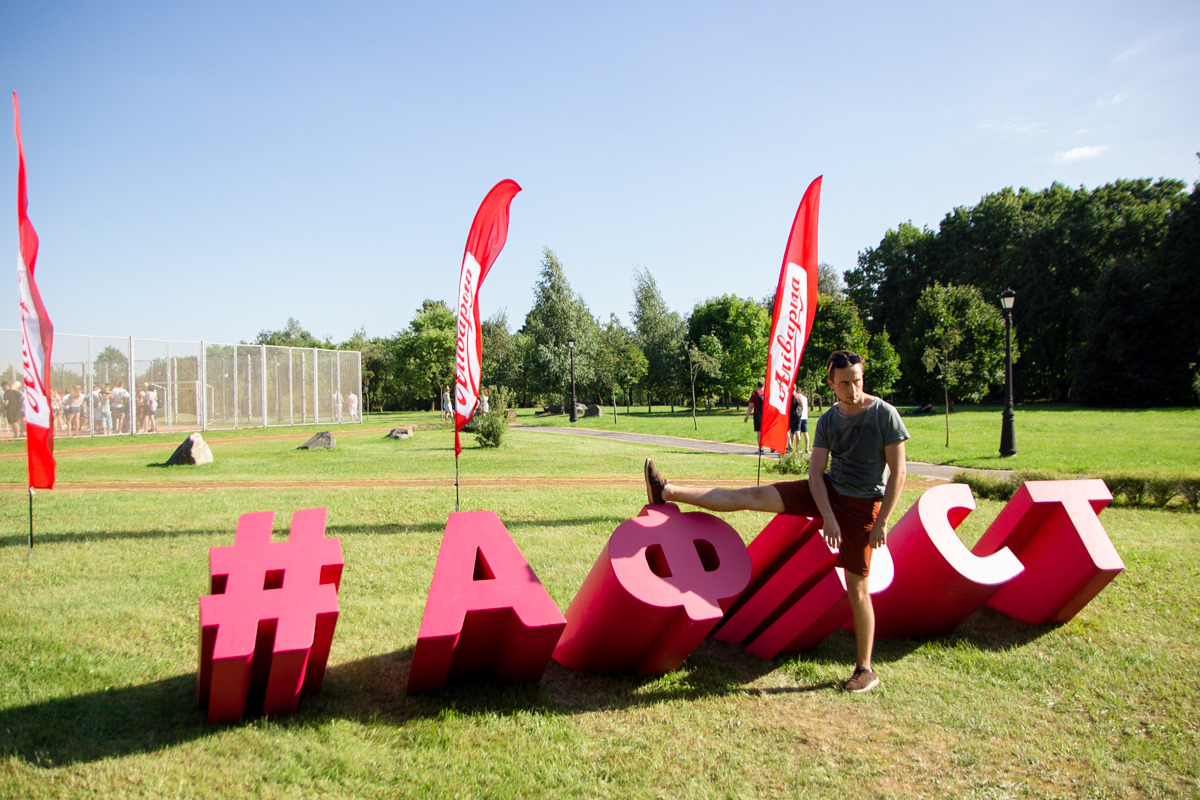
[[660, 585], [267, 627], [486, 610]]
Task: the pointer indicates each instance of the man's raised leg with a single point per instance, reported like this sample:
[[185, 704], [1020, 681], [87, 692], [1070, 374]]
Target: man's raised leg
[[749, 498]]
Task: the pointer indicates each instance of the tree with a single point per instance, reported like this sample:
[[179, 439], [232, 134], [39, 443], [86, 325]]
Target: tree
[[703, 359], [741, 327], [963, 341], [660, 333], [619, 360], [110, 366], [292, 335], [558, 314], [1053, 247], [882, 370], [829, 282], [836, 326], [425, 355]]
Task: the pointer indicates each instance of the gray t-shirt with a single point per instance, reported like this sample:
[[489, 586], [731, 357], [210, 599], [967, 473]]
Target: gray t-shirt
[[857, 464]]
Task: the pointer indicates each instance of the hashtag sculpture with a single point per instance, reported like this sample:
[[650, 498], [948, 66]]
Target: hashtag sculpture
[[266, 628]]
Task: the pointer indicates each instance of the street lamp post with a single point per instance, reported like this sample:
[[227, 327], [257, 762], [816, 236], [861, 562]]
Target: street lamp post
[[1008, 441], [571, 347]]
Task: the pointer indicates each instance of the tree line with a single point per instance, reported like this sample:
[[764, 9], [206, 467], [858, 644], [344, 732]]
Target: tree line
[[1107, 286], [1107, 283]]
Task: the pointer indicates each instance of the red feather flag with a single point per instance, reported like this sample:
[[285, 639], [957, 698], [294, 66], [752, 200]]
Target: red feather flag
[[792, 319], [489, 232], [37, 336]]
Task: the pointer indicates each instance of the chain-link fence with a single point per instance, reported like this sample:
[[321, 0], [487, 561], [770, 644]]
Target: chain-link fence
[[111, 385]]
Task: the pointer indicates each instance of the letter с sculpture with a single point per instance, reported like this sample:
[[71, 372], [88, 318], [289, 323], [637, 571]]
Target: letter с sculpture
[[486, 610], [661, 583], [269, 621]]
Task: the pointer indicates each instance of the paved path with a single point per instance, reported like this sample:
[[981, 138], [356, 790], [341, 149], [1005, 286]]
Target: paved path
[[941, 472]]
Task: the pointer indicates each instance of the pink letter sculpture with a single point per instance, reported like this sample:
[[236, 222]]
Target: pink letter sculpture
[[796, 597], [661, 583], [1068, 558], [269, 621], [938, 582], [486, 609]]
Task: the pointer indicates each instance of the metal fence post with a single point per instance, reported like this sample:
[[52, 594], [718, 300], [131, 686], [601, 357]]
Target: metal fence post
[[262, 352]]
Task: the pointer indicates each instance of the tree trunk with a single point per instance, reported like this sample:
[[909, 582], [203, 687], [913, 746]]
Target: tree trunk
[[947, 416]]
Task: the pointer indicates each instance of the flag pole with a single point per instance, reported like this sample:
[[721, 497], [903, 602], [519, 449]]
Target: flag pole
[[31, 518], [758, 480], [456, 483]]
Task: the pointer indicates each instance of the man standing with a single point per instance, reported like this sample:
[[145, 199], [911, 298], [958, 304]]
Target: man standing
[[755, 406], [861, 438]]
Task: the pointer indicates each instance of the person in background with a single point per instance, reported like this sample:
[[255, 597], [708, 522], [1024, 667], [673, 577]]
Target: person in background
[[755, 406], [14, 408]]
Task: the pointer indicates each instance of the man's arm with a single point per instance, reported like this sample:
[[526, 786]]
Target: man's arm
[[816, 484], [898, 472]]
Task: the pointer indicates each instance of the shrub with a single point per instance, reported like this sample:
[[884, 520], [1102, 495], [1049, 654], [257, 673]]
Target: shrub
[[491, 427], [986, 487], [1129, 486], [792, 463], [1162, 489], [1190, 489]]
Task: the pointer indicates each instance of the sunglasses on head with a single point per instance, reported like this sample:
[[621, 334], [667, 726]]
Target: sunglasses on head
[[840, 361]]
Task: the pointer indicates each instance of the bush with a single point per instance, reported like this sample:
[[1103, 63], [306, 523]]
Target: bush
[[491, 427], [1162, 489], [1190, 489], [792, 463], [986, 487], [1129, 486]]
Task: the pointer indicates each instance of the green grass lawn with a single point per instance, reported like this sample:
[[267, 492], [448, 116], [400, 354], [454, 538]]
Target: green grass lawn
[[99, 631], [1062, 438]]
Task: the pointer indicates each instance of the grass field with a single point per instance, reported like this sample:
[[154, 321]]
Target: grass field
[[98, 640]]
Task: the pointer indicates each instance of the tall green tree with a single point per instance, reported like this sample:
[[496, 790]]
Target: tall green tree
[[704, 361], [293, 334], [558, 314], [660, 333], [425, 355], [836, 326], [620, 363], [964, 342], [882, 370], [741, 326]]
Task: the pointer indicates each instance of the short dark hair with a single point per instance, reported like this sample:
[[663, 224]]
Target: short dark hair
[[840, 359]]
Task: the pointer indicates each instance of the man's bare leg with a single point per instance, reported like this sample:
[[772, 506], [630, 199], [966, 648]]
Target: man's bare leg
[[750, 498], [864, 617]]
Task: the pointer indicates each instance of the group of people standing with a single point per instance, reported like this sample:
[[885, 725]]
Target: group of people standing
[[797, 419], [107, 409]]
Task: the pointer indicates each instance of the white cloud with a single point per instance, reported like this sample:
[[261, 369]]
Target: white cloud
[[1115, 100], [1080, 153]]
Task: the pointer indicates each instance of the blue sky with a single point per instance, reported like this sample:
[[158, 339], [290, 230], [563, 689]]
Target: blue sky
[[206, 170]]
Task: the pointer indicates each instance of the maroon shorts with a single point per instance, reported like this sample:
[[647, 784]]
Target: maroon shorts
[[855, 516]]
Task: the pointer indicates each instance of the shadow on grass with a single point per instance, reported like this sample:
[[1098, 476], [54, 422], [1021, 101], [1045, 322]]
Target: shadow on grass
[[139, 719]]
